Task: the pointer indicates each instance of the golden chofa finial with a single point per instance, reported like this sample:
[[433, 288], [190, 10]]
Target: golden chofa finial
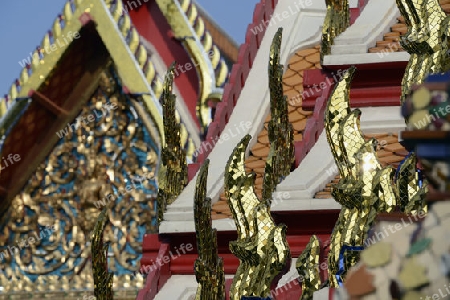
[[209, 270], [365, 188], [261, 245], [103, 280], [337, 20], [172, 176], [426, 40]]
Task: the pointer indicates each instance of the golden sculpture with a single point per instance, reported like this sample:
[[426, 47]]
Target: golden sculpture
[[281, 134], [109, 161], [365, 188], [411, 189], [308, 267], [209, 270], [337, 20], [103, 280], [173, 168], [426, 41], [261, 246]]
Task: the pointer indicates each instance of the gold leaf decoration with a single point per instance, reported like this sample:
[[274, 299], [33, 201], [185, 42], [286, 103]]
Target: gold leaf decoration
[[173, 169], [426, 40], [103, 280], [337, 20], [261, 245], [209, 270], [308, 267], [106, 157], [361, 196], [281, 134], [365, 188], [411, 194]]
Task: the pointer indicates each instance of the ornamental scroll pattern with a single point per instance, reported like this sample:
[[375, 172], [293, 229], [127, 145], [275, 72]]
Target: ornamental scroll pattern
[[426, 40], [261, 245], [108, 161]]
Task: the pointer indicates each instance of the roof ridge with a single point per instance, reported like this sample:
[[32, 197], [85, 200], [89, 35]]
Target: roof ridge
[[204, 14]]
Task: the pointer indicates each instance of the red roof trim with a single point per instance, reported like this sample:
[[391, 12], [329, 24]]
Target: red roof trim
[[239, 74]]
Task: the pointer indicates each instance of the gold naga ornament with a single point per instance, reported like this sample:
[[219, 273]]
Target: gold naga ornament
[[308, 267], [261, 245], [173, 169], [103, 280], [209, 270], [364, 190], [426, 40], [337, 20]]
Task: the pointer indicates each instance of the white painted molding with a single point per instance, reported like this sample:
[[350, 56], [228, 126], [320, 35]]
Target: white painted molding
[[255, 94], [180, 287], [351, 47], [365, 58], [353, 3]]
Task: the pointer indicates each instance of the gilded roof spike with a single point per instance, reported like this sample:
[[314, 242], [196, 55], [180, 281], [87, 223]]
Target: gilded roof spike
[[261, 245], [308, 268], [365, 188], [209, 269], [337, 109], [173, 169], [411, 189], [281, 134], [426, 40], [337, 20], [103, 280], [362, 189]]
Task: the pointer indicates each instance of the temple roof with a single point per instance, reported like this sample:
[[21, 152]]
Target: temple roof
[[56, 83]]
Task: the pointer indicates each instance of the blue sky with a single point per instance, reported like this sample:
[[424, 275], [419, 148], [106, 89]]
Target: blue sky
[[25, 22]]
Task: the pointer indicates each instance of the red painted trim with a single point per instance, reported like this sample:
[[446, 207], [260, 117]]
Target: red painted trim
[[331, 293], [301, 226], [314, 125], [152, 25], [356, 12], [228, 283], [159, 273], [238, 76], [370, 87]]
